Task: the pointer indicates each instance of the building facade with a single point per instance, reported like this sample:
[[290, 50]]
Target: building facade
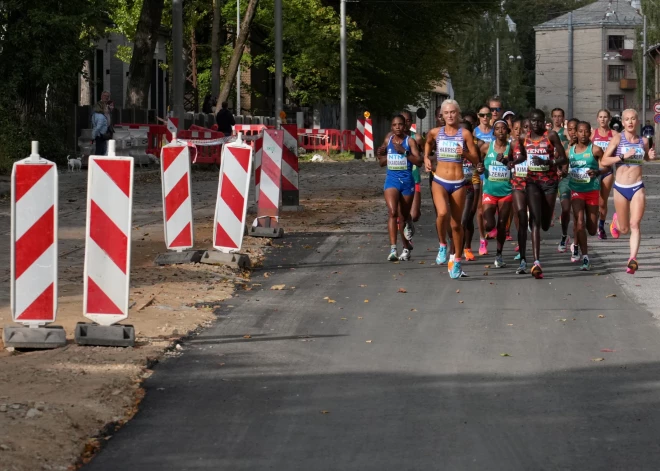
[[604, 38]]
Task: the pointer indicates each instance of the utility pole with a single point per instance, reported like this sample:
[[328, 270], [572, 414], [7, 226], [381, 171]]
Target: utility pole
[[279, 86], [497, 66], [177, 61], [644, 49], [238, 71], [344, 67], [570, 65]]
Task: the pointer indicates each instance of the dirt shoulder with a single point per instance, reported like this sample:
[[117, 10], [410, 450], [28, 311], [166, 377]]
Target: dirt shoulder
[[57, 406]]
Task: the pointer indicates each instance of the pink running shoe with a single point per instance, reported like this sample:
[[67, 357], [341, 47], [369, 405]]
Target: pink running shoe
[[483, 247], [613, 229], [632, 266], [492, 234]]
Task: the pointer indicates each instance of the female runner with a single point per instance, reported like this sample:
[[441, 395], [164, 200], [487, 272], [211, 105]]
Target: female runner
[[519, 184], [497, 185], [472, 184], [415, 210], [399, 153], [628, 151], [542, 181], [452, 144], [483, 133], [602, 136]]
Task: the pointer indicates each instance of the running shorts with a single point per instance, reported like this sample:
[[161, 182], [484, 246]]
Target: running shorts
[[590, 198], [564, 190], [547, 182], [405, 186], [490, 199], [518, 183]]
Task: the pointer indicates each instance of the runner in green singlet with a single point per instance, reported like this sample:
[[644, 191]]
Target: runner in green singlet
[[564, 190], [584, 181]]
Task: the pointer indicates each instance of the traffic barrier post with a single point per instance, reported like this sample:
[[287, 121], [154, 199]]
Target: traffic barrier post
[[266, 224], [290, 169], [107, 251], [33, 253], [368, 140]]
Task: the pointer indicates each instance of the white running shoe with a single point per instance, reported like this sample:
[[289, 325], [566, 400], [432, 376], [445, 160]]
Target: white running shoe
[[405, 255], [409, 229]]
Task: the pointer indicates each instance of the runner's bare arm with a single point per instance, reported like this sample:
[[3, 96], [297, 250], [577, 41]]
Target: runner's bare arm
[[649, 153], [381, 152], [414, 155], [523, 153], [609, 157], [598, 155], [472, 153], [553, 137], [428, 148]]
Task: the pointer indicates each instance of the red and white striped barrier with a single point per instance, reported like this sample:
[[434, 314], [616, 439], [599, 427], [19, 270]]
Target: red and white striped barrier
[[413, 128], [368, 139], [33, 240], [268, 204], [290, 169], [177, 201], [172, 126], [108, 238], [258, 146], [231, 203], [359, 135]]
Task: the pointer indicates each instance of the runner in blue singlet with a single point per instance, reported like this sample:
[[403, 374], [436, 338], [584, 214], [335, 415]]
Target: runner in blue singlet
[[399, 153]]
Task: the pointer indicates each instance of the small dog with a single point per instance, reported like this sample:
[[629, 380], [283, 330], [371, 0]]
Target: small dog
[[74, 163]]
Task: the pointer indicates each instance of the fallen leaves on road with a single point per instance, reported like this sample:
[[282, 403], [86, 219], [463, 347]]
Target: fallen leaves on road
[[504, 355], [611, 296], [247, 336], [368, 341], [344, 318], [607, 350], [307, 247], [413, 310], [402, 290], [277, 287], [422, 262], [360, 317], [325, 412], [458, 290], [331, 301], [266, 275], [598, 359], [509, 324], [485, 273], [460, 302], [486, 266], [366, 300], [363, 286], [601, 316]]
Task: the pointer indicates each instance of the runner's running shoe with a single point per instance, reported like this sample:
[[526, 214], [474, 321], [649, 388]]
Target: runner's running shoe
[[405, 255], [393, 257], [586, 264], [632, 266], [537, 271], [517, 249], [499, 263], [483, 247], [469, 256], [409, 229], [522, 269], [575, 253], [563, 243], [601, 234], [517, 257], [508, 236], [456, 271], [613, 229], [441, 259], [492, 234]]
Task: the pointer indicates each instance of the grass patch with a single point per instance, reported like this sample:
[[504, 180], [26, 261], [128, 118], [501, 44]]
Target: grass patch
[[337, 157]]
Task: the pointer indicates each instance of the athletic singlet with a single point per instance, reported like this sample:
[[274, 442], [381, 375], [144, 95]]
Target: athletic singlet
[[445, 146], [486, 137], [415, 170], [601, 141], [562, 136], [398, 165], [543, 149], [625, 145], [579, 164], [497, 176], [520, 170]]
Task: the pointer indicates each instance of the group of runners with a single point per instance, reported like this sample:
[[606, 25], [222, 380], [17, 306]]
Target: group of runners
[[502, 169]]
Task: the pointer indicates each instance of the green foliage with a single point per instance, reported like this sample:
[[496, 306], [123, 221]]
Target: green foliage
[[652, 12], [42, 48]]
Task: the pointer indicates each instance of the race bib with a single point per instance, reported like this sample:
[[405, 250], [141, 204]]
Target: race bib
[[397, 162], [467, 171], [602, 144], [537, 168], [579, 175], [637, 159], [498, 173], [448, 150], [521, 170]]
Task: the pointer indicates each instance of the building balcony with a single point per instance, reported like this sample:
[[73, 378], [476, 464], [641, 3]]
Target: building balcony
[[626, 54], [628, 84]]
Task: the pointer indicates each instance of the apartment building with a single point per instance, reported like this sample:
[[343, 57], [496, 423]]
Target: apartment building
[[604, 38]]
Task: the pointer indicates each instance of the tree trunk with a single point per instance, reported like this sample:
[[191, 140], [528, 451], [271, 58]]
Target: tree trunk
[[144, 45], [215, 47], [232, 68]]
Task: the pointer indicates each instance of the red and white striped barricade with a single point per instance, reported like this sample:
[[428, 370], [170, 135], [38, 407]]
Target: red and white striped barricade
[[368, 139], [33, 235], [359, 135], [172, 127], [290, 168], [107, 251], [177, 200], [266, 224], [413, 128], [231, 203], [257, 149]]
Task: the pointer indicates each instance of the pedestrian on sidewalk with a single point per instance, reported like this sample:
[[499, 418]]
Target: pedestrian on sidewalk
[[225, 119], [100, 131]]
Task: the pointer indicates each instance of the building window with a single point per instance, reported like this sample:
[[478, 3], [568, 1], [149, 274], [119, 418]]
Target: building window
[[615, 43], [616, 102], [616, 72]]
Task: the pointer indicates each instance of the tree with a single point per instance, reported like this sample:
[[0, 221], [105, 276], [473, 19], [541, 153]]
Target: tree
[[232, 68], [216, 43], [144, 45]]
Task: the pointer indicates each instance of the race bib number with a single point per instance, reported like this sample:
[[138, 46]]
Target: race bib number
[[448, 150], [498, 173], [538, 168], [521, 170], [397, 162], [579, 175], [602, 144], [637, 159]]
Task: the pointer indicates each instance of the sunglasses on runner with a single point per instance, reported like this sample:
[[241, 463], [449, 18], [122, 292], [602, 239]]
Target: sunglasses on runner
[[496, 109], [484, 115]]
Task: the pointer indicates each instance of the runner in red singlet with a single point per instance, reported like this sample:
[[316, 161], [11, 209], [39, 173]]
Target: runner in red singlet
[[601, 136]]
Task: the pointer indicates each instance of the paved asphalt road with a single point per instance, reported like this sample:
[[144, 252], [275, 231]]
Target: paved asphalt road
[[416, 380]]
